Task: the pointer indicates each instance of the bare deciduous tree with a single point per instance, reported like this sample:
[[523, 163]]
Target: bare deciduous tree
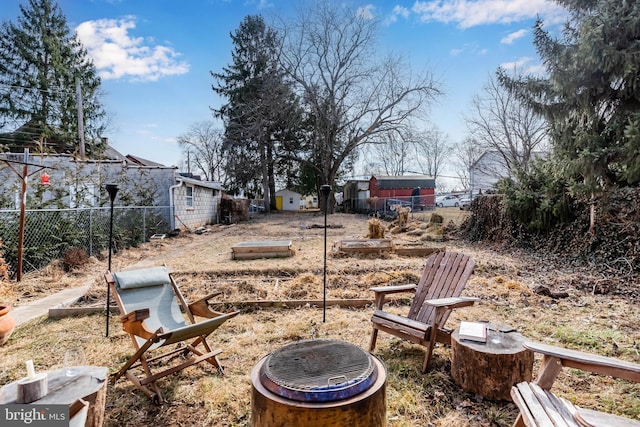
[[432, 150], [394, 154], [466, 153], [202, 145], [351, 98], [500, 123], [414, 152]]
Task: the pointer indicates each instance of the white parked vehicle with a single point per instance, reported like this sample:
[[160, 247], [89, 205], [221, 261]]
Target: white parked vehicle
[[447, 201], [465, 202]]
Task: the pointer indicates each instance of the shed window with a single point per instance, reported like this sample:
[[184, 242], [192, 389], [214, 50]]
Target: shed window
[[291, 200], [189, 198]]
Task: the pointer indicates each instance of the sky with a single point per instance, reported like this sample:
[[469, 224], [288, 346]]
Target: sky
[[155, 56]]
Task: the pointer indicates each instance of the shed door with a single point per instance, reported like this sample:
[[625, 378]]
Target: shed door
[[279, 203]]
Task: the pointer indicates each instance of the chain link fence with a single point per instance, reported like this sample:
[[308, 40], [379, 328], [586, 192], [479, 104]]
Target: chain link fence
[[387, 205], [49, 233]]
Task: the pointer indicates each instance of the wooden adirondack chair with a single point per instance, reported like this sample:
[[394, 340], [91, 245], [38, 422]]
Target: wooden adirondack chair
[[436, 295], [540, 407], [150, 303]]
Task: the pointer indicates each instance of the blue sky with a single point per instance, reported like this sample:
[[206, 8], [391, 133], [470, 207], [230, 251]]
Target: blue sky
[[155, 56]]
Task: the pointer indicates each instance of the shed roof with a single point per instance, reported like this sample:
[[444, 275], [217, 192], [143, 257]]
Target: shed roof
[[287, 191], [215, 185]]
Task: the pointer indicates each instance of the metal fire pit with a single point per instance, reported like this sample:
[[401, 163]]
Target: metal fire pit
[[318, 371]]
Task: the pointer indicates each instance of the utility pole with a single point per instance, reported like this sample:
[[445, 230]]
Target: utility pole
[[80, 120]]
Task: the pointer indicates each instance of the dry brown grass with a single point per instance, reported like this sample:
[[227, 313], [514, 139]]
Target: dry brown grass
[[197, 396]]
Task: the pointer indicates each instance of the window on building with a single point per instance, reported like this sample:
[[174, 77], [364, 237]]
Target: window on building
[[290, 200], [189, 197]]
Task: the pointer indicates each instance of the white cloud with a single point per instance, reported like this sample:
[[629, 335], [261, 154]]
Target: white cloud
[[117, 54], [510, 38], [469, 48], [523, 66], [469, 13], [536, 69], [366, 11], [264, 4], [515, 65], [397, 12], [401, 11]]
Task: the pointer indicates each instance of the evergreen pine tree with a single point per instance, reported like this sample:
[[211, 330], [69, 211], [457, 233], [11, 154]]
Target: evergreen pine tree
[[261, 115], [591, 95], [41, 63]]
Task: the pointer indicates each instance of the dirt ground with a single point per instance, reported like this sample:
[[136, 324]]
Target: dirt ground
[[505, 283]]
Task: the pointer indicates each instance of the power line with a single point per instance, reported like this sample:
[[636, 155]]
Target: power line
[[66, 92]]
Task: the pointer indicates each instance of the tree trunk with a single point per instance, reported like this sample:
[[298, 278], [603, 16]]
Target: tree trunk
[[592, 215], [490, 369], [271, 174], [265, 180]]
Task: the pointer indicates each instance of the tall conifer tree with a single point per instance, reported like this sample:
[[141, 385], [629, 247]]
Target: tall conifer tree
[[262, 113], [591, 94], [41, 63]]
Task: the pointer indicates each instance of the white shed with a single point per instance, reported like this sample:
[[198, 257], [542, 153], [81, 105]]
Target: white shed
[[287, 200]]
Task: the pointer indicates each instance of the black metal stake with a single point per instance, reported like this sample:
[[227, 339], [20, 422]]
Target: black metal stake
[[112, 189], [326, 189]]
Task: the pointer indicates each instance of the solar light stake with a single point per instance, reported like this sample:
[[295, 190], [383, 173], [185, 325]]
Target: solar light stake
[[325, 189], [112, 189]]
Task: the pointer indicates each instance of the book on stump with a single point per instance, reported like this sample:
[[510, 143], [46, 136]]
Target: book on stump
[[473, 331]]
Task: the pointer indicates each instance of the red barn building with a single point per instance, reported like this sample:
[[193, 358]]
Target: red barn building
[[417, 191]]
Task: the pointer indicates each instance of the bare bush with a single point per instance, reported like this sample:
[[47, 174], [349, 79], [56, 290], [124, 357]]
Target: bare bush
[[74, 258]]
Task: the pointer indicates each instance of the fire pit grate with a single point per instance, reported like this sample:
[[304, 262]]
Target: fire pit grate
[[318, 371]]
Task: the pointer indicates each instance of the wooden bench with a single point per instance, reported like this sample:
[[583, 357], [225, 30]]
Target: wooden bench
[[540, 407]]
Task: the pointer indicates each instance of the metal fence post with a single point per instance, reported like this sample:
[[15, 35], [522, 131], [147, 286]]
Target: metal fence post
[[90, 232], [144, 224]]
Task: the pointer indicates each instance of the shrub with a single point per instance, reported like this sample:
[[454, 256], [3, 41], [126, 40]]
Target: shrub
[[539, 199], [4, 273], [436, 218], [4, 268], [74, 258]]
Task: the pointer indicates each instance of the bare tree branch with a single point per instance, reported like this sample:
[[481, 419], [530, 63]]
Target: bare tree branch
[[352, 99], [500, 123], [203, 146]]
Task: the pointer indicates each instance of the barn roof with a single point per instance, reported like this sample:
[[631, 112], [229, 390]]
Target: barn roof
[[406, 181]]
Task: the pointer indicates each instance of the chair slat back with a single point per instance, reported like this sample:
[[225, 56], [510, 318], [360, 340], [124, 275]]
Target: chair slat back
[[160, 300], [445, 275], [158, 296]]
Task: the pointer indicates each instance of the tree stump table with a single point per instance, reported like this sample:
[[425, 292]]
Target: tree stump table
[[90, 385], [490, 369]]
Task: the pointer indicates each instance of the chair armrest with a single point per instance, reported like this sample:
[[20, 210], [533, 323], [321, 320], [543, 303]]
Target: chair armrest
[[382, 291], [585, 361], [135, 316], [201, 307], [133, 323], [451, 303], [394, 289]]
